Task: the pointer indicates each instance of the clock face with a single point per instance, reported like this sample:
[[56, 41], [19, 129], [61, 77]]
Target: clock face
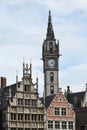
[[51, 62]]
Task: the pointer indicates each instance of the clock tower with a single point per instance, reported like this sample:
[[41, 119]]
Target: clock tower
[[50, 57]]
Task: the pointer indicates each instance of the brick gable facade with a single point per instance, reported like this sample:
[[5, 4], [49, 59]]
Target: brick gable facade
[[60, 114]]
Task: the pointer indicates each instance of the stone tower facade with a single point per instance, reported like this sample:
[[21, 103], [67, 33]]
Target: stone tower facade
[[50, 57]]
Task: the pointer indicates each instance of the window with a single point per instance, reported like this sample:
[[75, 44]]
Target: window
[[27, 117], [51, 47], [33, 103], [33, 117], [64, 125], [40, 117], [52, 89], [20, 128], [50, 124], [70, 124], [63, 111], [20, 116], [57, 125], [13, 128], [4, 117], [51, 76], [27, 102], [13, 116], [27, 88], [57, 111], [20, 101], [83, 128]]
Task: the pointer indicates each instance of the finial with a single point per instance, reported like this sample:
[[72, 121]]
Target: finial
[[86, 86], [49, 12], [37, 82], [37, 77], [30, 68], [58, 42], [30, 60], [23, 60], [27, 66], [16, 76], [49, 17]]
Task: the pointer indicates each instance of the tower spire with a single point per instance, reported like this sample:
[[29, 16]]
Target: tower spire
[[50, 32]]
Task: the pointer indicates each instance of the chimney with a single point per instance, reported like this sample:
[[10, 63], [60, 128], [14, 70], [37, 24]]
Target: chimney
[[2, 82], [86, 86], [59, 89]]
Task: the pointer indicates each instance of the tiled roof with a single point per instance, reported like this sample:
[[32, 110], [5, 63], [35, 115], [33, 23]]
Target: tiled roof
[[76, 98], [4, 92], [48, 100]]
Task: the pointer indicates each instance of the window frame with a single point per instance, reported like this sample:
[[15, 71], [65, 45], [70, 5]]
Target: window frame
[[51, 89], [20, 101], [64, 125], [57, 111], [70, 125], [50, 124], [57, 124], [51, 76], [26, 88], [63, 111]]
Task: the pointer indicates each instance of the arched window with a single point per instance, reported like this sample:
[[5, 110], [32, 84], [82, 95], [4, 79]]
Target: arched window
[[51, 76], [51, 47], [51, 89]]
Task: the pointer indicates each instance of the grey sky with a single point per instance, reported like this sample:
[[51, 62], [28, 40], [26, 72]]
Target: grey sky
[[23, 25]]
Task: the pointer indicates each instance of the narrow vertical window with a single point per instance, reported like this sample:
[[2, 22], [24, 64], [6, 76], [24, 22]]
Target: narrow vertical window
[[51, 47], [52, 89], [51, 76], [27, 117], [57, 111], [20, 101], [64, 126], [27, 88], [57, 125], [20, 116], [70, 124], [63, 111], [13, 116]]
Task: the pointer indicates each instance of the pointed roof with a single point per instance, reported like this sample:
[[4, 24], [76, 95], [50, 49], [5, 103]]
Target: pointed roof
[[48, 100], [50, 32]]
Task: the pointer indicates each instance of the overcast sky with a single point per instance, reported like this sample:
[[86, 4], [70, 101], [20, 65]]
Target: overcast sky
[[23, 26]]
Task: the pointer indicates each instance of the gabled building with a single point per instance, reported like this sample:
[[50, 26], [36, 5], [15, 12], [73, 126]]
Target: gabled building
[[60, 114], [20, 106], [78, 101]]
